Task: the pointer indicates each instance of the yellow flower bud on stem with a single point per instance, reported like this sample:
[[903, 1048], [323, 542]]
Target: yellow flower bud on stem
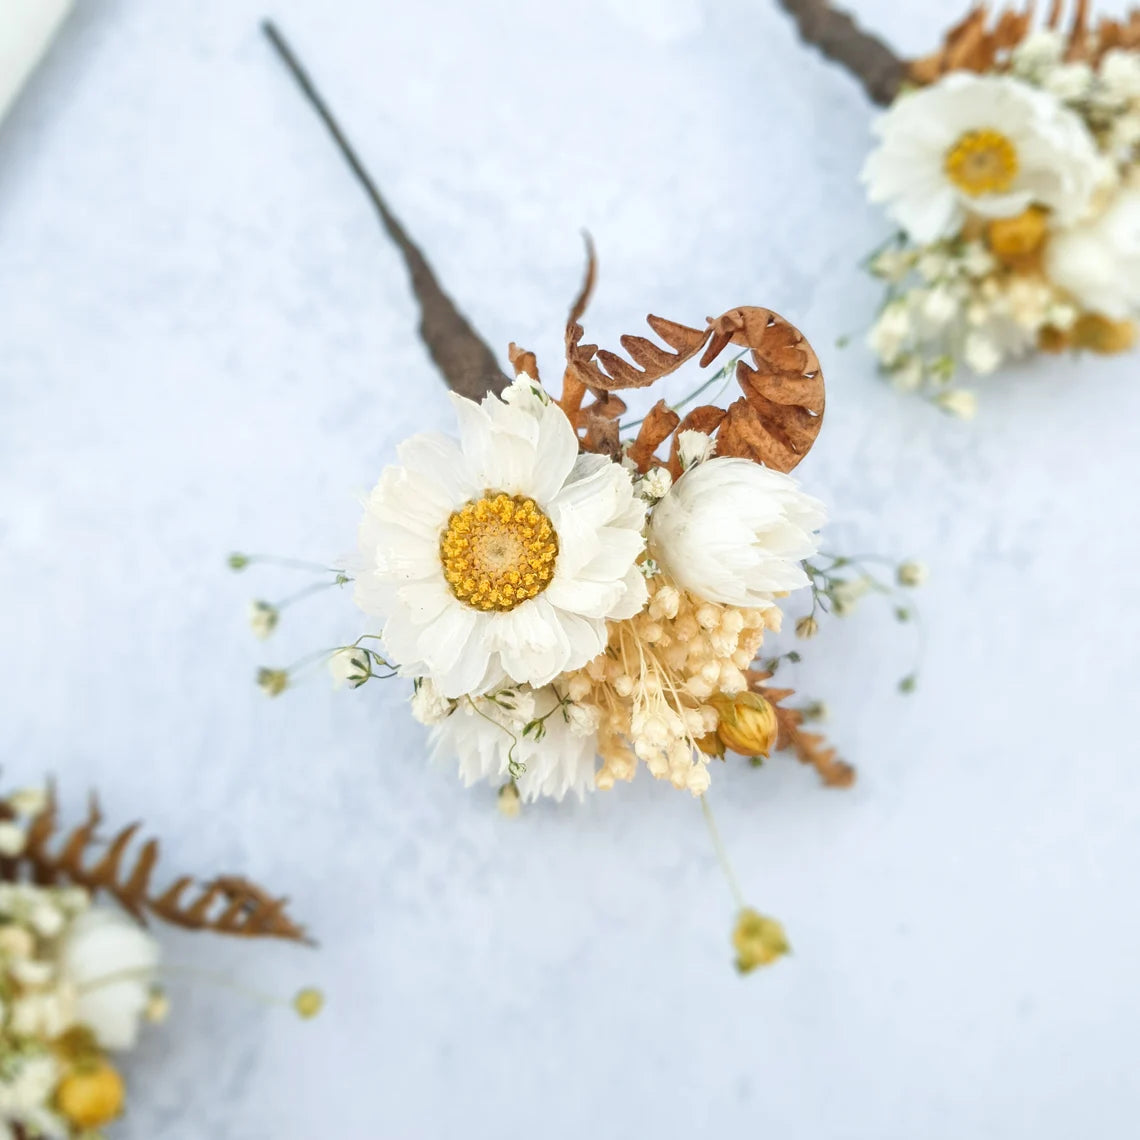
[[747, 723]]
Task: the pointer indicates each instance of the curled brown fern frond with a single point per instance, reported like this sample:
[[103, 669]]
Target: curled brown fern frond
[[226, 905], [775, 422]]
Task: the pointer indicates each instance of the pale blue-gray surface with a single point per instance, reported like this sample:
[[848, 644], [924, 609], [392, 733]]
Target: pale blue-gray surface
[[206, 345]]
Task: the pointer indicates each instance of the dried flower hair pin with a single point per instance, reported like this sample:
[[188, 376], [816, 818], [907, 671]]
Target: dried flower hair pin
[[77, 976], [575, 596], [1010, 160]]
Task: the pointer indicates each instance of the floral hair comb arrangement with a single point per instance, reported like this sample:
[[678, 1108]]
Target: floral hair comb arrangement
[[77, 976], [575, 597], [1010, 160]]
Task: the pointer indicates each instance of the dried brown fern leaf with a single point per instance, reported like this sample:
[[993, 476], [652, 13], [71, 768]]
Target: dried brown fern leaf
[[810, 748], [973, 44], [605, 371], [229, 905], [981, 45], [226, 905]]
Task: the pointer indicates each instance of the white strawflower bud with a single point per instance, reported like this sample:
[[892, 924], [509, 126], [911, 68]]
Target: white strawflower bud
[[733, 532]]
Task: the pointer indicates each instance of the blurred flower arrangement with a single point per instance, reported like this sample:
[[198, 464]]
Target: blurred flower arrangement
[[1010, 160], [574, 595], [575, 599], [77, 976]]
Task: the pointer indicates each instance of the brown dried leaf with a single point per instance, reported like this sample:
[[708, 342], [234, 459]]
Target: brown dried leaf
[[657, 427], [975, 45], [609, 372], [522, 360], [809, 747], [246, 910]]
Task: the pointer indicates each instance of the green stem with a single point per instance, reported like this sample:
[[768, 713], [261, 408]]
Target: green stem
[[722, 854]]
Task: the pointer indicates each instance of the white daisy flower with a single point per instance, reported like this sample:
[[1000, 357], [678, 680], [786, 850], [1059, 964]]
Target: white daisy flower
[[988, 145], [486, 739], [734, 532], [501, 555], [1098, 262]]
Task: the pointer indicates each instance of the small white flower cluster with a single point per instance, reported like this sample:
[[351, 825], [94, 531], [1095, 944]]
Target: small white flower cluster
[[75, 979], [556, 607], [1018, 198]]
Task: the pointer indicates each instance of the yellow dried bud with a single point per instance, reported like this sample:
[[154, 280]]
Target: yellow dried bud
[[1017, 239], [1100, 334], [308, 1002], [91, 1095], [747, 723], [757, 940]]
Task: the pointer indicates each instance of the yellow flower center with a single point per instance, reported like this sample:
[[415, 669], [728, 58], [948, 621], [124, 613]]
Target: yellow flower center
[[982, 162], [498, 552]]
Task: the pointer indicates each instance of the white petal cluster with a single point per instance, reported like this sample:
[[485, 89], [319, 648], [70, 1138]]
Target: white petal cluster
[[1055, 162], [537, 737], [734, 532], [111, 963], [1098, 262]]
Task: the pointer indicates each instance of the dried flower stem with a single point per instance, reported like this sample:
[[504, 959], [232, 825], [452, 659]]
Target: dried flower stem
[[722, 854], [867, 58], [468, 365]]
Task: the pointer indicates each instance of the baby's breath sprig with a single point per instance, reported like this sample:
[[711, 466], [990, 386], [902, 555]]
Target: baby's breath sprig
[[353, 665], [838, 582], [264, 616]]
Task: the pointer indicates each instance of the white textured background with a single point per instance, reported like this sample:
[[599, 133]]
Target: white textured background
[[206, 344]]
